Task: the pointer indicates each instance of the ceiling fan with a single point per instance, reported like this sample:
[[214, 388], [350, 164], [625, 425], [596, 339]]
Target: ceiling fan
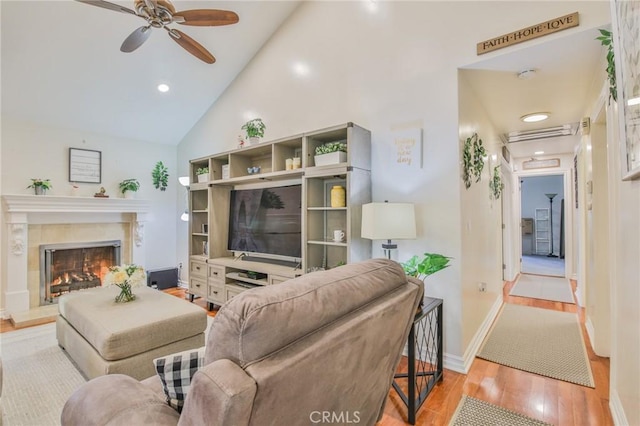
[[161, 13]]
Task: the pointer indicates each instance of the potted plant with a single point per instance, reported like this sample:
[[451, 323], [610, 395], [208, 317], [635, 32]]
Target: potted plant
[[128, 187], [330, 153], [254, 129], [40, 186], [421, 268], [203, 174]]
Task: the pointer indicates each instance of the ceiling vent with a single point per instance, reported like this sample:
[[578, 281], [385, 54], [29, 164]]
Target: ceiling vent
[[550, 132], [585, 126]]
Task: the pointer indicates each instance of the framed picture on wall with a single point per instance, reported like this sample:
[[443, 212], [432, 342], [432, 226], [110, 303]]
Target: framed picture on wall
[[85, 165], [626, 44]]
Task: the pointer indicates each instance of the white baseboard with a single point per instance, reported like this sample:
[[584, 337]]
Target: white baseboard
[[453, 362], [617, 411], [183, 284], [591, 332], [574, 277], [4, 314], [478, 338]]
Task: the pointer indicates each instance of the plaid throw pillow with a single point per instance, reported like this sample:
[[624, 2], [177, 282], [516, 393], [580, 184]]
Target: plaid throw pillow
[[176, 371]]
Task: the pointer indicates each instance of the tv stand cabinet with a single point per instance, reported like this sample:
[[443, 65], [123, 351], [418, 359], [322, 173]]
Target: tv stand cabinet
[[228, 276], [210, 261]]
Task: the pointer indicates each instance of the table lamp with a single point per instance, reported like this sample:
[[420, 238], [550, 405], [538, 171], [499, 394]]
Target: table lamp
[[388, 221]]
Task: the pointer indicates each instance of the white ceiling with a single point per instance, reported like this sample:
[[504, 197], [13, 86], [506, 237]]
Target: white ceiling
[[62, 65], [565, 71]]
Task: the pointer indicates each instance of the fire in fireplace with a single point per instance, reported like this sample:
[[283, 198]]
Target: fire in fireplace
[[74, 266]]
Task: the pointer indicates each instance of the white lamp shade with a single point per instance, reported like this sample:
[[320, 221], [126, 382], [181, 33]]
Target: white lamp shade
[[185, 217], [388, 221], [184, 180]]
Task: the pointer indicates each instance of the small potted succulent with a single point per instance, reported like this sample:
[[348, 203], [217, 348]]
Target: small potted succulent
[[203, 174], [330, 153], [40, 186], [128, 187], [254, 129]]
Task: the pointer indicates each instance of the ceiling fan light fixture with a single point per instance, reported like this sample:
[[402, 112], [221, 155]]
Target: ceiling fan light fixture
[[162, 87], [535, 117]]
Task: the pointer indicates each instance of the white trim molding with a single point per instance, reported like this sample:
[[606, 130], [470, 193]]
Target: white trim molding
[[478, 338], [617, 411]]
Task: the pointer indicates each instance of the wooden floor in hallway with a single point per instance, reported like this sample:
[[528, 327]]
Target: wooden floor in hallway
[[550, 400], [553, 401]]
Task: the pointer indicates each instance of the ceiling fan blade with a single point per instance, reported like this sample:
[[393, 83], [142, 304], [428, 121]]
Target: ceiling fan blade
[[107, 5], [206, 17], [191, 46], [136, 39]]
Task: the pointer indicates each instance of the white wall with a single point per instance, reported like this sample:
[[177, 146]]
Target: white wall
[[480, 220], [392, 69], [533, 191], [37, 151], [624, 201]]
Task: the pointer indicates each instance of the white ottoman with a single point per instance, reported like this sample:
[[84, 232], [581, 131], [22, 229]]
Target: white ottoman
[[104, 337]]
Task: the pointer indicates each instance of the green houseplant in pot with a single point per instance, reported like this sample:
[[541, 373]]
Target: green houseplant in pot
[[422, 267], [330, 153], [128, 187], [40, 186], [254, 130], [203, 174]]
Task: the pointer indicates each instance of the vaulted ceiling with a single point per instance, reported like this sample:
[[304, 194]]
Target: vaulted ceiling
[[62, 66]]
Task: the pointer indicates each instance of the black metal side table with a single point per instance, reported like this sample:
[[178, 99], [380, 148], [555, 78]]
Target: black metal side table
[[425, 370]]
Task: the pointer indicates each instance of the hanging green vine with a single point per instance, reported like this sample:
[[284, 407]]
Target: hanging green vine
[[473, 154], [495, 184], [160, 175], [606, 39]]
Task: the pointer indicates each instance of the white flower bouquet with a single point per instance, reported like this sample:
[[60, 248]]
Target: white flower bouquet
[[125, 277]]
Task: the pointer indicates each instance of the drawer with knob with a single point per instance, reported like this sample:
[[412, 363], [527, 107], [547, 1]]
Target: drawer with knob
[[198, 269]]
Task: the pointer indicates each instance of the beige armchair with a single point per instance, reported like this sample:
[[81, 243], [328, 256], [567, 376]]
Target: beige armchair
[[320, 347]]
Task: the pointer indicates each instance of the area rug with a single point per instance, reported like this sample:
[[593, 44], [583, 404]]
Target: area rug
[[541, 287], [38, 377], [539, 341], [474, 412]]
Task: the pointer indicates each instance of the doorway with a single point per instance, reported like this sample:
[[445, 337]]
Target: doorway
[[543, 225]]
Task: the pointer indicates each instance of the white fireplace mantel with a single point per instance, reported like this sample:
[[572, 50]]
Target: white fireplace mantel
[[20, 211], [55, 204]]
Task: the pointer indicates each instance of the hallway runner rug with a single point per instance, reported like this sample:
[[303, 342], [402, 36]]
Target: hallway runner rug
[[474, 412], [539, 341], [541, 287]]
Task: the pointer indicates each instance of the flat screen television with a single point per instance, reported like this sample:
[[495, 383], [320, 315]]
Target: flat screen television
[[266, 221]]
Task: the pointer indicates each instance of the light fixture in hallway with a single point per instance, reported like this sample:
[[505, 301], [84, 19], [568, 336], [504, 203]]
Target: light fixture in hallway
[[535, 117]]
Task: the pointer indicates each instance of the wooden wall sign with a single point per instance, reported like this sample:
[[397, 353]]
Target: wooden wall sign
[[529, 33]]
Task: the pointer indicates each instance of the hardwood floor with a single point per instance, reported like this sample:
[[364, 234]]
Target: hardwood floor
[[553, 401]]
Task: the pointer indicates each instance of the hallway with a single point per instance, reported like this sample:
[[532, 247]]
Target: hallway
[[553, 401]]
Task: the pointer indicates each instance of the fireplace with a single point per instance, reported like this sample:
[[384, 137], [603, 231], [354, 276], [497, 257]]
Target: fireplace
[[74, 266]]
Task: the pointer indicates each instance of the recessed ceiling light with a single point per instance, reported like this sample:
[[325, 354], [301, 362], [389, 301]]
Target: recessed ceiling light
[[538, 153], [535, 117], [163, 87], [633, 101], [301, 69]]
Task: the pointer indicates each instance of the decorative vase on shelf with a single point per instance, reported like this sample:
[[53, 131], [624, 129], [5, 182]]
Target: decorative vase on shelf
[[254, 140], [40, 190], [129, 195], [203, 178], [338, 196]]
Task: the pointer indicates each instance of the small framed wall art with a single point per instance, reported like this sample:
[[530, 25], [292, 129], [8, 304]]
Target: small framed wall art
[[85, 165]]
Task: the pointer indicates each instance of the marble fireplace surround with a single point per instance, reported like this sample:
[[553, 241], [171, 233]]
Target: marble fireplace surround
[[73, 214]]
